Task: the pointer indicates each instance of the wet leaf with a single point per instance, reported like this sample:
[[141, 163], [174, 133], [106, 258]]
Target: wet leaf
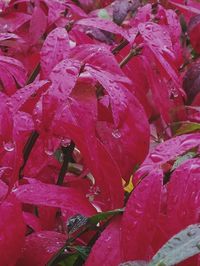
[[183, 245]]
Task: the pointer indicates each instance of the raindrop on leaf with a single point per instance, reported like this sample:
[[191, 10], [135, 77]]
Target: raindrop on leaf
[[9, 146]]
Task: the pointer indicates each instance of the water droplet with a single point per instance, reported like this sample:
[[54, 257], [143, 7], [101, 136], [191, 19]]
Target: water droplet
[[155, 158], [9, 146], [49, 149], [191, 233], [173, 93], [65, 142], [116, 134]]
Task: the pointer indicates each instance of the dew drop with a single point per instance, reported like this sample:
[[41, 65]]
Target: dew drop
[[191, 233], [9, 146], [48, 152], [173, 93], [116, 134], [155, 158], [48, 149], [65, 142]]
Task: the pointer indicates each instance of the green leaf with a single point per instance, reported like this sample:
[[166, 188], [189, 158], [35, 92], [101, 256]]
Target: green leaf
[[95, 219], [187, 127], [69, 260], [182, 159], [103, 13], [183, 245], [82, 251]]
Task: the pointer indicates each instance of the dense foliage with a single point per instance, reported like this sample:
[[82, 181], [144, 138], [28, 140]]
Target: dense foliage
[[99, 132]]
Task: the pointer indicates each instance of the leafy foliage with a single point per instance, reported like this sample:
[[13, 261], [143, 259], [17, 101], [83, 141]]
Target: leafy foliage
[[99, 132]]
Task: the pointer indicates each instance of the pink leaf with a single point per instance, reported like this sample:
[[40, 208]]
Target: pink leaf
[[183, 196], [53, 196], [158, 40], [17, 100], [167, 151], [140, 217], [106, 250], [40, 247], [55, 49], [14, 72], [103, 24], [12, 231], [64, 77], [13, 21], [38, 25], [32, 221]]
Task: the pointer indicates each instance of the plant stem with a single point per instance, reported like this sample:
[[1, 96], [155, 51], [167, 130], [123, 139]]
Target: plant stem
[[119, 47], [33, 74], [27, 150], [133, 52], [67, 152]]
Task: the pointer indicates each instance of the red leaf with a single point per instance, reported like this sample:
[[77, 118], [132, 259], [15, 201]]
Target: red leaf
[[64, 77], [103, 24], [183, 196], [32, 221], [157, 38], [106, 250], [140, 217], [12, 70], [13, 21], [40, 247], [12, 230], [17, 100], [38, 25], [167, 151], [53, 196], [55, 49]]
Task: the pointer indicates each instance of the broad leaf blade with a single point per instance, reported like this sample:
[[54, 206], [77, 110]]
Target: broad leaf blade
[[55, 49], [140, 217], [183, 245]]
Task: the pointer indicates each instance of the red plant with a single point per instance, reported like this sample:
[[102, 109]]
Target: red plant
[[99, 138]]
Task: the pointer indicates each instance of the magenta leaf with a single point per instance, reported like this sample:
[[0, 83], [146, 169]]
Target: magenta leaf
[[140, 218], [38, 25], [167, 151], [158, 40], [106, 250], [103, 24], [12, 230], [183, 196], [53, 196], [19, 98], [64, 77], [15, 72], [14, 21], [55, 49], [40, 247]]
